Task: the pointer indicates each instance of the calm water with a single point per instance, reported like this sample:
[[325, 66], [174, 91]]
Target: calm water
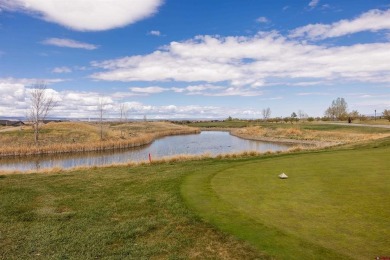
[[213, 142]]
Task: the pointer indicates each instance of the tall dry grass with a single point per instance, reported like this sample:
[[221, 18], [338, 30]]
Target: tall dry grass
[[54, 142], [295, 134]]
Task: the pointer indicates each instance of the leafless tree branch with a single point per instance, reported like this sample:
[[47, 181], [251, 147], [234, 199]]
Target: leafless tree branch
[[41, 105]]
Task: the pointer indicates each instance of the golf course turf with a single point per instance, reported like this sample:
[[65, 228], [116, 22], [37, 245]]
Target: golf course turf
[[109, 213], [334, 205]]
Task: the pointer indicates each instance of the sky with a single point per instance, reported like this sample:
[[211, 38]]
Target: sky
[[175, 59]]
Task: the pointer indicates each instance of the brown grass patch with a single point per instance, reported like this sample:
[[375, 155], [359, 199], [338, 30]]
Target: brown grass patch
[[69, 137], [318, 138]]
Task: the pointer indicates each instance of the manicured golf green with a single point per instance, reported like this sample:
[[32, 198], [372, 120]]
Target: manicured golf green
[[334, 205]]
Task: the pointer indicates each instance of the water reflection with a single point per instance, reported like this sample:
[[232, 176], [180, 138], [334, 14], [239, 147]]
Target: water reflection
[[213, 142]]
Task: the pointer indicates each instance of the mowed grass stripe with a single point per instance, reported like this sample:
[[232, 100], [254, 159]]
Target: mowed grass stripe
[[271, 241], [334, 204]]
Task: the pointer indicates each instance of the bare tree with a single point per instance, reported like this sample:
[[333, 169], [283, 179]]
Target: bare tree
[[266, 112], [293, 117], [338, 109], [123, 112], [102, 109], [331, 113], [302, 115], [354, 114], [386, 114], [41, 105]]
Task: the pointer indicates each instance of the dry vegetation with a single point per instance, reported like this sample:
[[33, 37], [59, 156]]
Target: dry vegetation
[[164, 160], [295, 134], [379, 121], [80, 137]]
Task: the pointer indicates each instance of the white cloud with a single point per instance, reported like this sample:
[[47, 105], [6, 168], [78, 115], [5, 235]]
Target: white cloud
[[12, 95], [148, 90], [14, 101], [125, 94], [242, 64], [68, 43], [220, 91], [62, 70], [86, 15], [373, 20], [201, 90], [155, 33], [314, 3], [29, 81], [262, 19], [305, 83], [273, 98], [138, 110], [204, 58], [372, 105], [313, 94]]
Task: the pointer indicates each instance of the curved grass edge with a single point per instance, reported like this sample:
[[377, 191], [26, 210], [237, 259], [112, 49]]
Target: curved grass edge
[[200, 197]]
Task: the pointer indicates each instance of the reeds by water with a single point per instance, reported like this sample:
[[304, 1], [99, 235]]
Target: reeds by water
[[142, 139], [168, 159], [296, 135]]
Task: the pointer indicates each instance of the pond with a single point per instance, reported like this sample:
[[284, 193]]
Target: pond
[[212, 142]]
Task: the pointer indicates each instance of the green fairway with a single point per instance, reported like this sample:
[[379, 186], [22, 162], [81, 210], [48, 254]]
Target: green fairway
[[334, 204]]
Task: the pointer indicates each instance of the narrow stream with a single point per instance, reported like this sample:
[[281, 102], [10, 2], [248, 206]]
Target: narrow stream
[[213, 142]]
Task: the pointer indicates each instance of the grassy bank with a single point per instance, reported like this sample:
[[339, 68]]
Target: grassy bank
[[110, 213], [81, 137], [320, 134]]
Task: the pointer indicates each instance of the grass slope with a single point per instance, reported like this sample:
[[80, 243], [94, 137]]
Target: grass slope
[[333, 206], [109, 213], [83, 132]]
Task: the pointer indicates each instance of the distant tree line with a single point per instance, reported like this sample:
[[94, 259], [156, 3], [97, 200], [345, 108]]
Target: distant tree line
[[338, 110]]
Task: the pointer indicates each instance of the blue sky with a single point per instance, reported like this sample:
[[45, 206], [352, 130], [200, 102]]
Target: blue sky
[[195, 58]]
